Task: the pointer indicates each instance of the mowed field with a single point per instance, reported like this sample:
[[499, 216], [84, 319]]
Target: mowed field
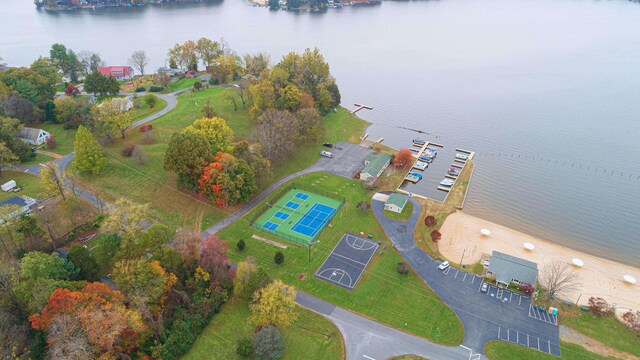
[[150, 183], [402, 301]]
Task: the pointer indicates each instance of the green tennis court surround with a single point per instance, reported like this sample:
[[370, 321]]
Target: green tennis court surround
[[298, 215]]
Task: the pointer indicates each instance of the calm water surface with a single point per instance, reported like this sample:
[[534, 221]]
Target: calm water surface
[[546, 92]]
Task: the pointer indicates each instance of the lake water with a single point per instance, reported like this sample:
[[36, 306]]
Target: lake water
[[546, 92]]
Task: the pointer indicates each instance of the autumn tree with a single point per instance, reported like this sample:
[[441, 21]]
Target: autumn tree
[[184, 55], [89, 157], [216, 130], [277, 132], [632, 319], [435, 236], [87, 323], [243, 276], [151, 100], [139, 60], [309, 125], [52, 180], [124, 217], [252, 154], [208, 50], [74, 110], [274, 305], [115, 113], [215, 262], [600, 307], [7, 157], [558, 279], [255, 64], [403, 158], [99, 84], [187, 155], [227, 180], [430, 221]]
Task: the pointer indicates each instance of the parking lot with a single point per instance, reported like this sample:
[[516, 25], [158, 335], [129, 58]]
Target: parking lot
[[530, 341]]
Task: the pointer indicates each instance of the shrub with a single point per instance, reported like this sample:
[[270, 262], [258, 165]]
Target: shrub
[[527, 289], [141, 89], [197, 85], [213, 81], [430, 221], [279, 258], [127, 150], [150, 100], [51, 142], [599, 307], [241, 245], [268, 343], [68, 126], [244, 347], [403, 268], [435, 236], [632, 319], [363, 206], [97, 220], [156, 88]]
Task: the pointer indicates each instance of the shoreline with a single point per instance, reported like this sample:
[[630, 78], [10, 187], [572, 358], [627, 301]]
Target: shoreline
[[599, 277]]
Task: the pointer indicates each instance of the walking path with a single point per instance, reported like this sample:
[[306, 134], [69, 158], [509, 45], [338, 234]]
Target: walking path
[[495, 315]]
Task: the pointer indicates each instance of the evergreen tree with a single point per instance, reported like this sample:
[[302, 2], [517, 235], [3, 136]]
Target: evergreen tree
[[89, 157]]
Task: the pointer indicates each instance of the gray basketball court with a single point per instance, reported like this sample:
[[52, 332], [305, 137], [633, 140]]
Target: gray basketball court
[[346, 263]]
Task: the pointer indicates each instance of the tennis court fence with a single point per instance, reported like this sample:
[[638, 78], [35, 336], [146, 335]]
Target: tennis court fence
[[278, 195]]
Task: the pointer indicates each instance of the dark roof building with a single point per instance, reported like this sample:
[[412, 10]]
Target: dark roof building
[[508, 269]]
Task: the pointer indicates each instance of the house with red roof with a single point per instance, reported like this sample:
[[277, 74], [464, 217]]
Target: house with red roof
[[118, 72]]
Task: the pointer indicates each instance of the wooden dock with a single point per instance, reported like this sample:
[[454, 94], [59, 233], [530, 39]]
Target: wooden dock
[[452, 177], [360, 107], [447, 189], [457, 165]]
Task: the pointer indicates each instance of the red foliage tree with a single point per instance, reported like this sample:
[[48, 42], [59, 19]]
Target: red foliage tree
[[599, 306], [403, 158], [96, 313], [214, 261], [435, 236], [527, 289], [227, 180], [71, 90], [430, 221]]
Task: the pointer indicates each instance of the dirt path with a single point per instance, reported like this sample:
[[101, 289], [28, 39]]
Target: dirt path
[[569, 335], [53, 155]]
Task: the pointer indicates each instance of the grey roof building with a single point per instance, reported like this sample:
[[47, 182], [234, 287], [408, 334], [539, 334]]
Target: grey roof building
[[508, 269]]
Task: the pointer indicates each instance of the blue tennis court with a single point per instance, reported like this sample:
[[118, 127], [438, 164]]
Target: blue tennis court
[[292, 205], [302, 196], [314, 220], [281, 215], [270, 226]]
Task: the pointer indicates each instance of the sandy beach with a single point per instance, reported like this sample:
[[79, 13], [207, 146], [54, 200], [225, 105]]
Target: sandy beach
[[599, 277]]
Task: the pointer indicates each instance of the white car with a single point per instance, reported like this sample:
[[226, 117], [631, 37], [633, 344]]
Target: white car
[[444, 265], [326, 154]]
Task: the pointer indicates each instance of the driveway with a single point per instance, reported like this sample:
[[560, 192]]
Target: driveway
[[496, 315], [346, 162]]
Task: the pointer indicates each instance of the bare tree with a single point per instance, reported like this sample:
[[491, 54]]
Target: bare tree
[[558, 278], [276, 131], [139, 60], [90, 61]]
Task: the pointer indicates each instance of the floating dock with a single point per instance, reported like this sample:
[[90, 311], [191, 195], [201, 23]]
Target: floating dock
[[452, 177], [447, 189], [360, 107], [457, 165]]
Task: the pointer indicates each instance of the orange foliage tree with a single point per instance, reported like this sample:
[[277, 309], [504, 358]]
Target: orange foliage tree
[[227, 180], [93, 320], [403, 158]]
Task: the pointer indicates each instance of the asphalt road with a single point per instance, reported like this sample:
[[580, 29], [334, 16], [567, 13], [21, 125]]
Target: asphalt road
[[496, 315]]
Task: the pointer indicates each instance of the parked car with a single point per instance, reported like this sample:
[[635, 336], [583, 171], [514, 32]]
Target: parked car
[[444, 265], [484, 287], [326, 154], [329, 145]]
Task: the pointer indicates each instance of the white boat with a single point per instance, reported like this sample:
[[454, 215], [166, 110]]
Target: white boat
[[462, 157], [447, 182]]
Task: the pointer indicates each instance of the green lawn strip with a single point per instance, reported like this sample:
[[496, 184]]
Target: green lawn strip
[[30, 185], [312, 335], [180, 84], [497, 350], [382, 294], [144, 110], [403, 216], [607, 330], [408, 357], [37, 159]]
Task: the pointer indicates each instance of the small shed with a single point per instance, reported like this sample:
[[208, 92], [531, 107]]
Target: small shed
[[508, 269], [34, 136], [9, 185], [396, 202]]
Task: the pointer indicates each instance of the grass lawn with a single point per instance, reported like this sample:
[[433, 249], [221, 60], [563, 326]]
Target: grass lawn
[[150, 183], [30, 185], [37, 159], [408, 357], [497, 350], [144, 110], [403, 216], [312, 335], [180, 84], [607, 330], [404, 302], [64, 138]]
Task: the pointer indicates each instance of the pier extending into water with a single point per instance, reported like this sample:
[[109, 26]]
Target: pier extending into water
[[360, 107]]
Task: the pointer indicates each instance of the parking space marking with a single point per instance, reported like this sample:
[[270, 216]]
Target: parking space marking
[[532, 342], [465, 277], [542, 315], [456, 275], [446, 271], [473, 278]]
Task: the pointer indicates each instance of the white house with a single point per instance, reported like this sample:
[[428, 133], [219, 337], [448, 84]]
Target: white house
[[23, 203], [34, 136]]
